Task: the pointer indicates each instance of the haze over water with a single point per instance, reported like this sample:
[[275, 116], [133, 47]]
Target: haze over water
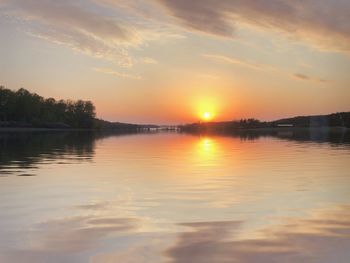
[[169, 197]]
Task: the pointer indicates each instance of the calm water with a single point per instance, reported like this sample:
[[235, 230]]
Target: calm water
[[167, 197]]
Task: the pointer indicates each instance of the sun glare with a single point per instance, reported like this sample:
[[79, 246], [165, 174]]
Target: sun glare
[[205, 109], [207, 116]]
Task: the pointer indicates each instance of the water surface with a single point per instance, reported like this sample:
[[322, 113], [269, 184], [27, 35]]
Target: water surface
[[169, 197]]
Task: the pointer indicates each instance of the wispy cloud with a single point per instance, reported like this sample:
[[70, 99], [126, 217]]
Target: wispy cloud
[[261, 67], [116, 73], [85, 28], [240, 62], [324, 24], [147, 60], [107, 29], [233, 60], [301, 76], [87, 45]]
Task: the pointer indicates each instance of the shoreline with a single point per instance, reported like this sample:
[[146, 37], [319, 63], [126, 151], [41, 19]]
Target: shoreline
[[30, 129]]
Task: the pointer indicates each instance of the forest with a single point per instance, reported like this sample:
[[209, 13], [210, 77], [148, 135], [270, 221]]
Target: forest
[[22, 108]]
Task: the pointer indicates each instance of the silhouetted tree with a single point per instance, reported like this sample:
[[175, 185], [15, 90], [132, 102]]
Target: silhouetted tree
[[25, 108]]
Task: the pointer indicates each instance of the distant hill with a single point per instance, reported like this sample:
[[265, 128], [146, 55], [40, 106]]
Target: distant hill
[[340, 119]]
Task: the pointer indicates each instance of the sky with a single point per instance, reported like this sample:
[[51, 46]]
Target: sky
[[171, 61]]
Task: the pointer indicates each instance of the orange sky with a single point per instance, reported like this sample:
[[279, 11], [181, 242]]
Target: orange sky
[[169, 61]]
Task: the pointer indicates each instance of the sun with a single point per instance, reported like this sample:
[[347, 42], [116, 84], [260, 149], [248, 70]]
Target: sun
[[207, 116], [205, 109]]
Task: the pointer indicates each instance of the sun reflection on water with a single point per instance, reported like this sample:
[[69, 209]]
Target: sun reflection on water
[[207, 152]]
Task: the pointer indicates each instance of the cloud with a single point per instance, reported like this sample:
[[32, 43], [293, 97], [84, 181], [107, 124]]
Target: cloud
[[85, 44], [233, 60], [324, 24], [206, 16], [147, 60], [109, 29], [116, 73], [81, 27], [301, 76], [243, 63], [259, 66], [67, 14]]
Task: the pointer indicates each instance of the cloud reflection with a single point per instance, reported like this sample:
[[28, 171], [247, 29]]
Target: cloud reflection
[[323, 238], [62, 240]]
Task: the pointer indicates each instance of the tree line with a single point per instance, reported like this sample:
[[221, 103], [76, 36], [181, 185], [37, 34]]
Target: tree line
[[23, 108], [340, 119]]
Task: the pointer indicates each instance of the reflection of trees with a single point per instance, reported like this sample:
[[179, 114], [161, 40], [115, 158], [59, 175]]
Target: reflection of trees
[[319, 135], [26, 149]]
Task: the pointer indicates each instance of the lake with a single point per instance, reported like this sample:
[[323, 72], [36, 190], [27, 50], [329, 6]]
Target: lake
[[280, 196]]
